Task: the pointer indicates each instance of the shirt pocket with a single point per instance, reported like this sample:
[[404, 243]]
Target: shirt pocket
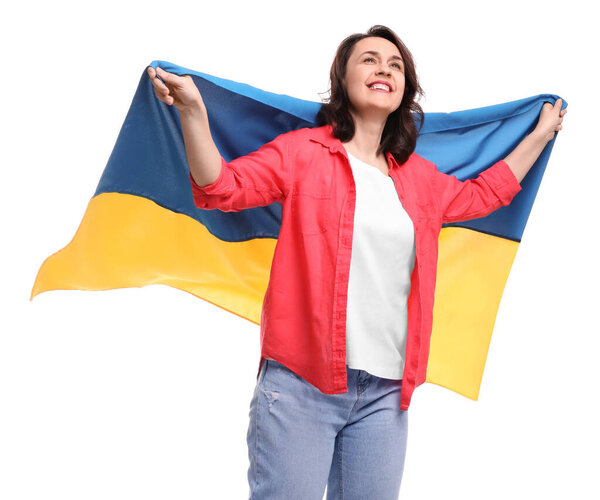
[[313, 176], [311, 197], [426, 209], [427, 231], [310, 214]]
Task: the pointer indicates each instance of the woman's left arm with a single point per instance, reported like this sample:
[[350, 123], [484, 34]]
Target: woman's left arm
[[522, 158]]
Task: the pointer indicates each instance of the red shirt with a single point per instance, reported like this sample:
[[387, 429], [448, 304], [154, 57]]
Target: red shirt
[[303, 318]]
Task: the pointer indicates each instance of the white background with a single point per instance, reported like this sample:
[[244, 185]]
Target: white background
[[144, 393]]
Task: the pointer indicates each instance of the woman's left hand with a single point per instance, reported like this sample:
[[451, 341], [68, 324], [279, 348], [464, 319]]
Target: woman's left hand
[[550, 120]]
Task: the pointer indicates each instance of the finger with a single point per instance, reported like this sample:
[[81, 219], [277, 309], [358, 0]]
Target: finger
[[160, 89], [159, 95], [557, 107], [166, 99], [165, 75], [153, 73], [159, 85]]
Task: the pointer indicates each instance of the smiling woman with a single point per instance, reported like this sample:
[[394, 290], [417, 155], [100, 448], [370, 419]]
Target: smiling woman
[[347, 315]]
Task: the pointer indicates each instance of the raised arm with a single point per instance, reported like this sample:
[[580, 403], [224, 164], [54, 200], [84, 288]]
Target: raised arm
[[256, 179], [522, 158], [497, 185], [473, 198], [203, 156]]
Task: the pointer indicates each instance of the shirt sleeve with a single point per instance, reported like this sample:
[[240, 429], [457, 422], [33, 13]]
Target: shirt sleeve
[[254, 180], [478, 197]]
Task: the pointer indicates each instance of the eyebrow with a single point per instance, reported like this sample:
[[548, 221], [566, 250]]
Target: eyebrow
[[375, 53]]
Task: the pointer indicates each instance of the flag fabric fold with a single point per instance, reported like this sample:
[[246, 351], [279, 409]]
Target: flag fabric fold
[[141, 226]]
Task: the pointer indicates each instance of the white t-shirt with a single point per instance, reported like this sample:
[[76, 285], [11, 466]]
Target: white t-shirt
[[382, 260]]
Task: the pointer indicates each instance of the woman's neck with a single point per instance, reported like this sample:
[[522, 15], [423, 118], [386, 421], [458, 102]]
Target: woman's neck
[[366, 139]]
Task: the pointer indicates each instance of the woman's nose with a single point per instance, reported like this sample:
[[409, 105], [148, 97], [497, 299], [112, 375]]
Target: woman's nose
[[384, 69]]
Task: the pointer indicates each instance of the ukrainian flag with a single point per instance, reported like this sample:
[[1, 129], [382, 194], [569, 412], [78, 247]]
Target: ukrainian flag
[[141, 227]]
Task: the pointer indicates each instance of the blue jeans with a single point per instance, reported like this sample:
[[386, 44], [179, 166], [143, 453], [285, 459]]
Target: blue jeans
[[301, 440]]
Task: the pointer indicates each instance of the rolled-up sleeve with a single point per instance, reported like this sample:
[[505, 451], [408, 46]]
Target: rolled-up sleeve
[[478, 197], [253, 180]]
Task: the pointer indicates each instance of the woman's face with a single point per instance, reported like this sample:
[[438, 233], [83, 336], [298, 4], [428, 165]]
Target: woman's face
[[374, 59]]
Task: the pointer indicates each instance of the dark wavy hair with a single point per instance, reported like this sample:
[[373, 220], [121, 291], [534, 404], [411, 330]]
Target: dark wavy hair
[[400, 132]]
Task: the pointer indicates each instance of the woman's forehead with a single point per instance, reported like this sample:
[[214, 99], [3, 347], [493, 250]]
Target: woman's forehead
[[375, 44]]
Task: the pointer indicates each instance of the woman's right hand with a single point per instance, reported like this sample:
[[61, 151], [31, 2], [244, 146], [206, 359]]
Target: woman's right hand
[[178, 90]]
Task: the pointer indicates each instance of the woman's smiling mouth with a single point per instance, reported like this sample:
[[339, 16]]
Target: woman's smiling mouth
[[380, 86]]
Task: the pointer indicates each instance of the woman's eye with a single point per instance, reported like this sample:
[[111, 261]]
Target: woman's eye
[[394, 64]]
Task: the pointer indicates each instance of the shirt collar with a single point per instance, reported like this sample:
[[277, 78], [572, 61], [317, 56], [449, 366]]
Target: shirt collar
[[324, 135]]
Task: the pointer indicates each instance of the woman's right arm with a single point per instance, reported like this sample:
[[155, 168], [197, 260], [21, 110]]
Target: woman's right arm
[[257, 179], [203, 156]]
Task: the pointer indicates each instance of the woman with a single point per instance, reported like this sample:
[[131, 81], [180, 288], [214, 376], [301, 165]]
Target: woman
[[350, 294]]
